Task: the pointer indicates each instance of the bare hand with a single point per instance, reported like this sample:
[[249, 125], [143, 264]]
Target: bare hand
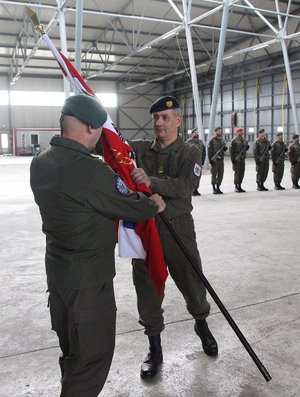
[[159, 201], [139, 176]]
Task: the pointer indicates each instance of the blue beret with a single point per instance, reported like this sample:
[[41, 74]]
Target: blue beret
[[164, 103], [85, 108]]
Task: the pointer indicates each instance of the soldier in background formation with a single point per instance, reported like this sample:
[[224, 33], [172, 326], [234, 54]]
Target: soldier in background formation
[[238, 149], [215, 150], [294, 157], [261, 153], [278, 152], [195, 140]]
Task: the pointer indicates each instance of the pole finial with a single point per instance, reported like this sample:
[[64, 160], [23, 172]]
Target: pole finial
[[34, 19]]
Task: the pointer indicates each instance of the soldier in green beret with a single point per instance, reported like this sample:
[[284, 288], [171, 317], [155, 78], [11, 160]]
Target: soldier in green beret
[[294, 156], [172, 169], [238, 149], [80, 197], [261, 153], [278, 152], [215, 150], [195, 140]]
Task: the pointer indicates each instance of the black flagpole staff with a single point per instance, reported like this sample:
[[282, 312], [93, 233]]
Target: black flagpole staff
[[217, 300]]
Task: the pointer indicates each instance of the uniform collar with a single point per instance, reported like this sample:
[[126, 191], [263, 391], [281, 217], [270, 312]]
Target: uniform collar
[[69, 144], [176, 145]]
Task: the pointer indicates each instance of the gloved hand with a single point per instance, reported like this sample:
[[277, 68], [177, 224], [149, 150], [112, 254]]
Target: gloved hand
[[225, 148], [234, 162], [211, 162], [247, 147]]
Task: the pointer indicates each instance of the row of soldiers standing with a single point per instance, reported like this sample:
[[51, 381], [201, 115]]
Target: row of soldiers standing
[[262, 151]]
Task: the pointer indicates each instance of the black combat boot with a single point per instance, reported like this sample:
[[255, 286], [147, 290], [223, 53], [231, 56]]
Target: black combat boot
[[276, 187], [153, 359], [280, 187], [236, 189], [215, 190], [196, 193], [209, 343], [241, 189], [296, 186], [219, 191], [259, 187], [264, 188]]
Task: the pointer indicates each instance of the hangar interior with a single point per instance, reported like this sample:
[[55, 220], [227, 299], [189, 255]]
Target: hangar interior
[[230, 63]]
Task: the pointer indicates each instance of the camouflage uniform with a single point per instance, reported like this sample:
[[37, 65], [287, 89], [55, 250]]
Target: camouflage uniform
[[278, 156], [199, 144], [217, 165], [261, 155], [294, 157], [238, 149], [174, 172]]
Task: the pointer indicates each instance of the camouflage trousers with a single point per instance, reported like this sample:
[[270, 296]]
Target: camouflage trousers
[[239, 171], [278, 170], [262, 170], [217, 172], [295, 172], [189, 284]]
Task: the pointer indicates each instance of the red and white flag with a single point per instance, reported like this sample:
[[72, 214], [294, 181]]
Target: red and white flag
[[139, 240]]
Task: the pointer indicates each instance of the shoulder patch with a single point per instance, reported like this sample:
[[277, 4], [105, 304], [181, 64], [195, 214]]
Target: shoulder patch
[[121, 187], [197, 169]]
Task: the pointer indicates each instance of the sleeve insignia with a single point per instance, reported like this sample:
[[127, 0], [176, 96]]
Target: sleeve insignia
[[121, 187], [197, 169]]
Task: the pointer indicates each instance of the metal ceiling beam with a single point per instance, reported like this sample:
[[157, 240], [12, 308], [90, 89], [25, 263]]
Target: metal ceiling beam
[[196, 96], [282, 35], [219, 65]]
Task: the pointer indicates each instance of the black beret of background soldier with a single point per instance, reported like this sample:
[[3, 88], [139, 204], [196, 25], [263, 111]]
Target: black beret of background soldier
[[80, 198], [294, 157], [216, 148], [172, 169]]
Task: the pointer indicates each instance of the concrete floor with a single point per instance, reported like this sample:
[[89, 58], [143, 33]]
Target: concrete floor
[[249, 244]]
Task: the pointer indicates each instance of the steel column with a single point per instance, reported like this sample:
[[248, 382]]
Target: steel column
[[63, 42], [193, 71], [219, 65], [78, 34], [281, 36]]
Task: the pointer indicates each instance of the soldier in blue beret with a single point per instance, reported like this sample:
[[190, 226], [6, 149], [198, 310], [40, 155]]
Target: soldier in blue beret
[[172, 169]]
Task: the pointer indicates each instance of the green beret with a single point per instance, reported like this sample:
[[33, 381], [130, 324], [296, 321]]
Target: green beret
[[164, 103], [279, 133], [194, 130], [85, 108], [218, 128], [261, 130]]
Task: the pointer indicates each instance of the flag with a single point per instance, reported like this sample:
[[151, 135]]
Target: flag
[[145, 241]]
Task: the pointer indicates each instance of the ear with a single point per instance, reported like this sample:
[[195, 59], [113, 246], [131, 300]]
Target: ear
[[90, 129]]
